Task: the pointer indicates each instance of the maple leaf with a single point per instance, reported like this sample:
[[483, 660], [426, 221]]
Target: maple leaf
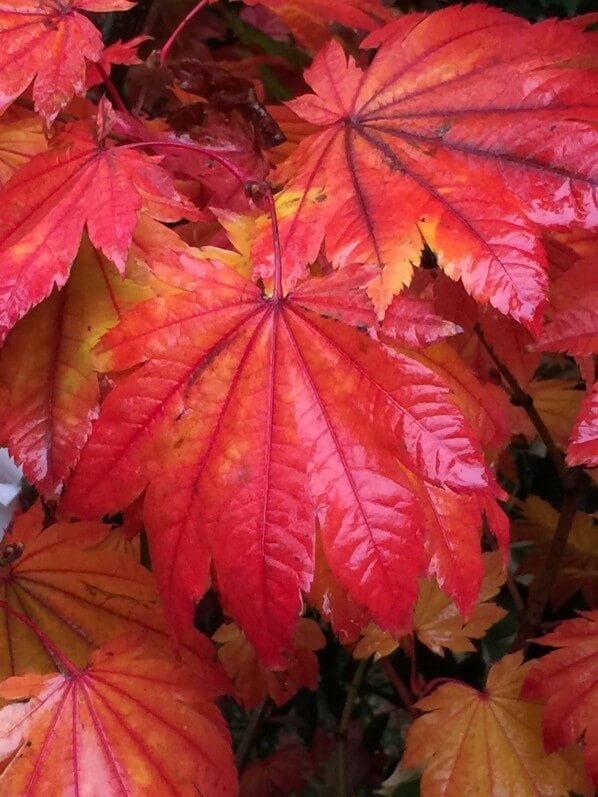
[[574, 318], [21, 137], [282, 772], [111, 729], [579, 568], [53, 196], [234, 421], [557, 402], [77, 587], [49, 391], [51, 42], [408, 321], [252, 681], [309, 19], [451, 139], [568, 678], [510, 341], [333, 602], [583, 442], [478, 402], [437, 622], [495, 742]]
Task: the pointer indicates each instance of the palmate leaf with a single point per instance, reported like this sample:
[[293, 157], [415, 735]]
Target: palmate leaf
[[80, 181], [437, 622], [74, 586], [50, 41], [252, 681], [452, 138], [494, 746], [249, 417], [309, 19], [568, 678], [131, 724]]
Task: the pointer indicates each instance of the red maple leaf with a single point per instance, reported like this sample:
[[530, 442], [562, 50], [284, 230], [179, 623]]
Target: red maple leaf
[[250, 416], [453, 139], [51, 42], [568, 678], [81, 180], [583, 442]]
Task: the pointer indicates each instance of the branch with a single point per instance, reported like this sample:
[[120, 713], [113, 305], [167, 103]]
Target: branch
[[399, 686], [253, 730], [524, 400], [573, 481], [343, 727], [541, 587]]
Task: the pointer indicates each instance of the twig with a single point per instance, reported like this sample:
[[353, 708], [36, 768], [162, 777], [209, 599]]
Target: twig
[[542, 585], [112, 90], [524, 400], [399, 686], [573, 481], [515, 594], [254, 727], [183, 24], [343, 726]]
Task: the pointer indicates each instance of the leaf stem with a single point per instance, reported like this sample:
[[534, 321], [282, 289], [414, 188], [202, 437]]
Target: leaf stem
[[343, 726], [524, 400], [183, 24], [252, 731], [276, 243], [435, 682], [45, 640], [112, 90], [541, 587], [228, 165], [399, 686]]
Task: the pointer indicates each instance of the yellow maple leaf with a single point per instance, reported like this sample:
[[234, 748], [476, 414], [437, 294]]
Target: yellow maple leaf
[[579, 569], [252, 680], [489, 743], [437, 621]]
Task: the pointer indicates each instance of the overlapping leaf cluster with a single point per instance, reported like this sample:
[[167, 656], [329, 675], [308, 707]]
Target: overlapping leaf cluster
[[300, 367]]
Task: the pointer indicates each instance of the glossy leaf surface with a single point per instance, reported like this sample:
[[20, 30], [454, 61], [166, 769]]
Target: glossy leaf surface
[[568, 679], [234, 413], [78, 182], [453, 139]]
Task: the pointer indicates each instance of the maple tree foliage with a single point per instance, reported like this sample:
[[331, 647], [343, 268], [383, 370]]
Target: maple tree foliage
[[298, 318]]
